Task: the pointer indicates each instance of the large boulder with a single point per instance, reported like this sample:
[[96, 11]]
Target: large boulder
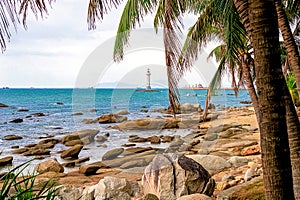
[[112, 154], [213, 164], [72, 152], [170, 176], [91, 133], [122, 112], [51, 165], [112, 188]]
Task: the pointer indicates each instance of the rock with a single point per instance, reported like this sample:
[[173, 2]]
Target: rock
[[6, 161], [100, 138], [77, 114], [222, 127], [171, 123], [89, 121], [238, 161], [213, 164], [39, 114], [93, 110], [112, 154], [36, 152], [18, 120], [12, 137], [51, 165], [135, 150], [141, 124], [79, 134], [122, 112], [68, 164], [138, 139], [72, 152], [49, 140], [89, 169], [113, 188], [3, 105], [195, 197], [245, 102], [231, 132], [189, 108], [167, 138], [134, 163], [251, 150], [22, 110], [155, 140], [69, 192], [20, 151], [128, 145], [111, 118], [59, 103], [177, 142], [170, 176], [150, 196], [73, 143]]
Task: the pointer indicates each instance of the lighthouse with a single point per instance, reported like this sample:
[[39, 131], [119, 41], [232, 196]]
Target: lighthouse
[[148, 74]]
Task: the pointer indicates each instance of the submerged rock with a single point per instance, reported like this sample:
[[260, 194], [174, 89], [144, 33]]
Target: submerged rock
[[122, 112], [18, 120], [170, 176], [12, 137], [111, 118], [79, 135], [3, 105]]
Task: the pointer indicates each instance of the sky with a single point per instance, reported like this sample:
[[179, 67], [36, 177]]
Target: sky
[[59, 52]]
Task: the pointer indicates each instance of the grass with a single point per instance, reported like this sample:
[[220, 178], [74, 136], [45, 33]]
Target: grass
[[254, 191], [17, 186]]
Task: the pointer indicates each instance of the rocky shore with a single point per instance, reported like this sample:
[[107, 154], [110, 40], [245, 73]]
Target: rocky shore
[[216, 158]]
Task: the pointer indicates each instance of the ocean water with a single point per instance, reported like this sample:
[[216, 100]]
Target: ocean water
[[59, 105]]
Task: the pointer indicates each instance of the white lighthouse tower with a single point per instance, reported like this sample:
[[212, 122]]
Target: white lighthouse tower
[[148, 74]]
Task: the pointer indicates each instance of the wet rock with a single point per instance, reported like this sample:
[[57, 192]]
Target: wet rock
[[111, 118], [100, 138], [39, 114], [6, 161], [167, 138], [15, 147], [79, 134], [51, 165], [22, 110], [190, 177], [73, 143], [12, 137], [128, 145], [213, 164], [89, 121], [69, 164], [77, 114], [141, 124], [138, 139], [251, 150], [18, 120], [72, 152], [20, 151], [3, 105], [48, 140], [59, 103], [36, 152], [112, 154], [155, 140], [245, 102], [122, 112]]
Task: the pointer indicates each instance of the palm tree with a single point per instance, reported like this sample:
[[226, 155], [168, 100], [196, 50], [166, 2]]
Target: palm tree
[[269, 78]]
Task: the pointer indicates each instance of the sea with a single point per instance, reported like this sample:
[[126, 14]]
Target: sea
[[64, 110]]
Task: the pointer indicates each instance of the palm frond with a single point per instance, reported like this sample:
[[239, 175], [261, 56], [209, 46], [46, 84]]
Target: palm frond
[[97, 9], [8, 17], [38, 8], [132, 15]]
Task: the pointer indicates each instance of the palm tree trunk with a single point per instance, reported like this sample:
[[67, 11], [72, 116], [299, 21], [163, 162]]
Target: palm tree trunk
[[205, 112], [269, 80], [289, 41], [250, 86], [292, 118]]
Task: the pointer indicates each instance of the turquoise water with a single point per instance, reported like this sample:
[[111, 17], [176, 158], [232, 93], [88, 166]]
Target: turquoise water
[[59, 104]]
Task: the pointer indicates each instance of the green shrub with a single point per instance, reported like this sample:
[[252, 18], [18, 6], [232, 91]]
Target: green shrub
[[17, 186]]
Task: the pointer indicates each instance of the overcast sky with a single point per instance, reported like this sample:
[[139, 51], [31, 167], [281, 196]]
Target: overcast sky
[[56, 51]]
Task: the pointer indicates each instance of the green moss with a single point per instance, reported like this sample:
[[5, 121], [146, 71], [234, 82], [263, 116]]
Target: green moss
[[254, 191]]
